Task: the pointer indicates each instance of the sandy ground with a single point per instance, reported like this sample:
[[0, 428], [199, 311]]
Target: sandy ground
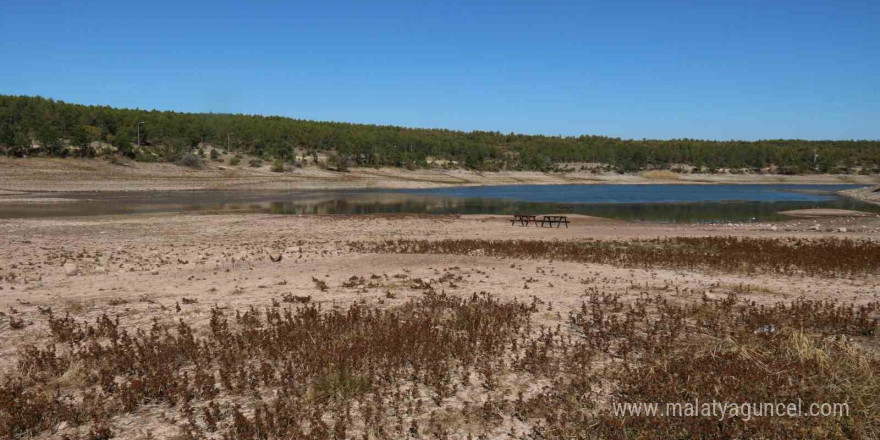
[[135, 265], [140, 267], [61, 175]]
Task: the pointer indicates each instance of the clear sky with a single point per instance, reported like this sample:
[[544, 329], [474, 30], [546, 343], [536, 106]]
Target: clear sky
[[715, 69]]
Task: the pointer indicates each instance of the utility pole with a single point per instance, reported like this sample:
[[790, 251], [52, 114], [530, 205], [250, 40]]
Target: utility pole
[[227, 141], [139, 133]]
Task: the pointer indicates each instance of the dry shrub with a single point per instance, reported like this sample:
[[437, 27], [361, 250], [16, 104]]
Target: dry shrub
[[786, 367], [320, 284], [16, 323], [319, 362], [721, 350], [291, 298]]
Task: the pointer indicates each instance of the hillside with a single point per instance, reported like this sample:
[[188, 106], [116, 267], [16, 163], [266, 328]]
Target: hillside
[[37, 126]]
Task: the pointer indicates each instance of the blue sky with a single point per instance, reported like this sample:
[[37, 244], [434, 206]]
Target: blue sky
[[634, 69]]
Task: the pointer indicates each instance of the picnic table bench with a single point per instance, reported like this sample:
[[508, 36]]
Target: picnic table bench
[[548, 220]]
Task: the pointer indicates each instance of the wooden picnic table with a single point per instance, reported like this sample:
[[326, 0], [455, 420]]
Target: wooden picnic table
[[549, 220], [558, 220], [523, 219]]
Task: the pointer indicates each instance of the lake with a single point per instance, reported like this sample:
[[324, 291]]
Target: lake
[[665, 203]]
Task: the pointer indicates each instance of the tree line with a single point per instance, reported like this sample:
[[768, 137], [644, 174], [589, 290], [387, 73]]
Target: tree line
[[36, 125]]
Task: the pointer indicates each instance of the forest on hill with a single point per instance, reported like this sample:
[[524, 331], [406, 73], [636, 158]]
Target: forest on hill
[[39, 126]]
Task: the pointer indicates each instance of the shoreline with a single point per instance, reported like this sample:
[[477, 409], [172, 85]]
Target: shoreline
[[49, 175], [867, 194]]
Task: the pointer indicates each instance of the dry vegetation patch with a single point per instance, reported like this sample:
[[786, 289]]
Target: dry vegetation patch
[[440, 366], [819, 257]]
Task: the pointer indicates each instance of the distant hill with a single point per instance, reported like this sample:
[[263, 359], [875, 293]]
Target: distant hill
[[35, 125]]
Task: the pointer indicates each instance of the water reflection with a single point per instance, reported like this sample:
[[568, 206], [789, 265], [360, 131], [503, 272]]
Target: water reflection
[[761, 203], [665, 212]]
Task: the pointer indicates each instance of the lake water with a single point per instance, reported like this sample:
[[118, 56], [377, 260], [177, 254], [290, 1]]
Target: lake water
[[666, 203]]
